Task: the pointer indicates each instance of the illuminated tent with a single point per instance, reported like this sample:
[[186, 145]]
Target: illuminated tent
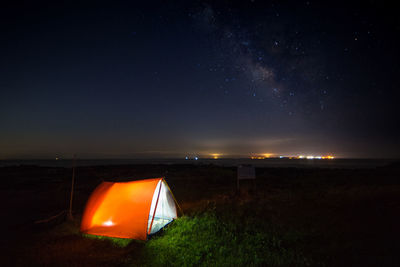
[[129, 209]]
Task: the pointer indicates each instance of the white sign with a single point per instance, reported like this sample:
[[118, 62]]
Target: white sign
[[246, 172]]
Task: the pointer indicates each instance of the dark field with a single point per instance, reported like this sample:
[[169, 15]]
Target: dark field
[[289, 217]]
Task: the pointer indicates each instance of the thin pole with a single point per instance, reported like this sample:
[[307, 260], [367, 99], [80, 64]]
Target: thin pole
[[172, 194], [72, 189], [155, 208]]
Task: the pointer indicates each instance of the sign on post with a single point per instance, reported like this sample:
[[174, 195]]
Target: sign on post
[[245, 172]]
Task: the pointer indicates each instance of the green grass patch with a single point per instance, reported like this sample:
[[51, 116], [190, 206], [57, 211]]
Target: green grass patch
[[118, 242], [208, 240]]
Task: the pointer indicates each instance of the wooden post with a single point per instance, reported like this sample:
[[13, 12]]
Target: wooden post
[[70, 217]]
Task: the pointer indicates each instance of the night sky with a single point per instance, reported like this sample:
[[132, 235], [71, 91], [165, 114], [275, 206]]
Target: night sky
[[134, 80]]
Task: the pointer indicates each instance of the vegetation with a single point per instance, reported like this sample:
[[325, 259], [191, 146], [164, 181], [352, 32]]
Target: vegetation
[[289, 217], [118, 242], [207, 240]]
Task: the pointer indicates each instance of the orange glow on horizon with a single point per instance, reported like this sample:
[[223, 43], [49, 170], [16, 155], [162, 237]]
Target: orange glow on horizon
[[268, 155], [262, 156], [216, 155]]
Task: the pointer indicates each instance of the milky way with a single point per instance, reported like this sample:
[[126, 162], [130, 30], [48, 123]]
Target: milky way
[[202, 77]]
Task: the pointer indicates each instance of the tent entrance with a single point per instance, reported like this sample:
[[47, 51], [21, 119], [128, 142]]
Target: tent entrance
[[162, 210]]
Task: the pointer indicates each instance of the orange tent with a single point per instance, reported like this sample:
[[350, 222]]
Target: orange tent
[[129, 209]]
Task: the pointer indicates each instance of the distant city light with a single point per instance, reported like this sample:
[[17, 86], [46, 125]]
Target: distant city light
[[257, 157], [316, 157], [215, 155], [186, 157], [267, 155], [263, 156], [196, 158]]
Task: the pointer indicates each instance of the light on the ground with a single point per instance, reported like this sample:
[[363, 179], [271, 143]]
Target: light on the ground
[[108, 223]]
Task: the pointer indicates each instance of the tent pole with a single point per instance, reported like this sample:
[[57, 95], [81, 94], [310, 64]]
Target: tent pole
[[155, 208], [176, 202], [72, 190]]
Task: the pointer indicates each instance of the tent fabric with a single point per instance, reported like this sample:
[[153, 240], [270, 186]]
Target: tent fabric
[[129, 209], [166, 210]]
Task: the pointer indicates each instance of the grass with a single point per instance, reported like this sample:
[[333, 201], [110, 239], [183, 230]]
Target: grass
[[293, 217], [213, 238], [210, 240], [118, 242]]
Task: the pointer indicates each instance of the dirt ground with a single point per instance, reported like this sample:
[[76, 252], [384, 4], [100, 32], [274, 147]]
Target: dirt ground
[[348, 217]]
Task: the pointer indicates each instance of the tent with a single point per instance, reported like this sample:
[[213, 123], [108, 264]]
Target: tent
[[133, 209]]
